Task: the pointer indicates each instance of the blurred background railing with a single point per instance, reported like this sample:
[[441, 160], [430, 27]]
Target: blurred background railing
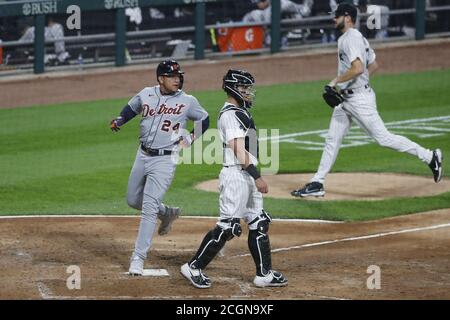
[[35, 37]]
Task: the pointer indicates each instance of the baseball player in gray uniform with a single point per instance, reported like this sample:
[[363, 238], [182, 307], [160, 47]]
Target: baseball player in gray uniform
[[241, 188], [356, 62], [164, 111]]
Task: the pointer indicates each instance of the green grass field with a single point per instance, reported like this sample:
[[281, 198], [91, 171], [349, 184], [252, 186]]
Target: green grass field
[[63, 159]]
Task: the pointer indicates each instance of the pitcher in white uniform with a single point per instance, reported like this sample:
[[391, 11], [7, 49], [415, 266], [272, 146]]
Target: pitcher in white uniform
[[241, 188], [356, 62]]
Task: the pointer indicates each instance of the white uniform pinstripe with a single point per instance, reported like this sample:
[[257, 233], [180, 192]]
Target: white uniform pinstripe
[[360, 107], [239, 197]]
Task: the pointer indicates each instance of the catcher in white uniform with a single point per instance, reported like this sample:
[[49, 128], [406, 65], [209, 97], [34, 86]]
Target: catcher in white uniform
[[241, 188], [357, 102]]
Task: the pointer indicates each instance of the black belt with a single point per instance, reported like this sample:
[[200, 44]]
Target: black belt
[[228, 220], [156, 152], [350, 91]]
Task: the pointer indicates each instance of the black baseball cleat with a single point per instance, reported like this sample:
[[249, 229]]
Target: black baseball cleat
[[436, 165], [272, 279], [195, 276], [312, 189]]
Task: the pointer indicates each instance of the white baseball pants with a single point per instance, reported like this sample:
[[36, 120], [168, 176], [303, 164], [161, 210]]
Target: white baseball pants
[[361, 107], [239, 197]]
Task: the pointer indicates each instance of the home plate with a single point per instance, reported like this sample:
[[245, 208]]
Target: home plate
[[154, 273]]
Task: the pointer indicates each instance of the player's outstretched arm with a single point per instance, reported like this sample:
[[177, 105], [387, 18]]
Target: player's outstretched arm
[[126, 115]]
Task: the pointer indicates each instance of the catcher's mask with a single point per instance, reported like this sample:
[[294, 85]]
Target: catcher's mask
[[170, 68], [239, 84]]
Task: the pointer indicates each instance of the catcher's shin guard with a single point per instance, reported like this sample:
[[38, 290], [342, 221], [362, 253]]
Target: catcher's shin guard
[[212, 243], [259, 244]]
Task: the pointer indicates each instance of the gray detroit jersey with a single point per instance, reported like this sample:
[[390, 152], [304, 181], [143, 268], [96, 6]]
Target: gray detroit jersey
[[352, 45], [164, 115]]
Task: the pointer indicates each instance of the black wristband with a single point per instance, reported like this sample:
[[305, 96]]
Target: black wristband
[[251, 169]]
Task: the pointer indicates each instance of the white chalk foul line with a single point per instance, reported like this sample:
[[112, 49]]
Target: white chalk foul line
[[216, 297], [138, 216], [190, 297], [370, 236], [44, 291]]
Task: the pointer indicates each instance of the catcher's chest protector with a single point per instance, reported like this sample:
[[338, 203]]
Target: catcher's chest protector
[[246, 124]]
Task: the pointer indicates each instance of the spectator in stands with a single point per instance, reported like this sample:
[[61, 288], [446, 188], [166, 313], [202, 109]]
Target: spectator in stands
[[156, 14], [184, 11], [135, 16], [53, 31], [171, 12], [263, 10], [171, 16], [334, 3], [243, 7], [263, 13], [260, 13]]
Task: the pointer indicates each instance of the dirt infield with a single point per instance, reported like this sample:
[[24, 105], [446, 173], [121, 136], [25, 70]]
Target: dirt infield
[[321, 260], [363, 186], [295, 66]]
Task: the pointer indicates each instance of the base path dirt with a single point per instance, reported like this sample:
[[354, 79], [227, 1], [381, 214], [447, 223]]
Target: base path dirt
[[350, 186], [321, 260], [293, 66]]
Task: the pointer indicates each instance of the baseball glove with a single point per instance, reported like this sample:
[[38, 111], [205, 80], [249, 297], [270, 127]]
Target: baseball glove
[[332, 97]]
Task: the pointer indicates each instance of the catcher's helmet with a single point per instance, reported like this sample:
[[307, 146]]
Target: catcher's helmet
[[170, 68], [239, 85]]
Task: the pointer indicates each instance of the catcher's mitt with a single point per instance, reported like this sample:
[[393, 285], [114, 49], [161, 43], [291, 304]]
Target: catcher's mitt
[[332, 97]]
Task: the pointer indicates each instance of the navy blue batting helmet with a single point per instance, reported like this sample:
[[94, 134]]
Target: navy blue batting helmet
[[170, 68]]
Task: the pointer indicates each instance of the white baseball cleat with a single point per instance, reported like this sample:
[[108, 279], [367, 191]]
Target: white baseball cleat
[[167, 219], [272, 279], [136, 266]]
